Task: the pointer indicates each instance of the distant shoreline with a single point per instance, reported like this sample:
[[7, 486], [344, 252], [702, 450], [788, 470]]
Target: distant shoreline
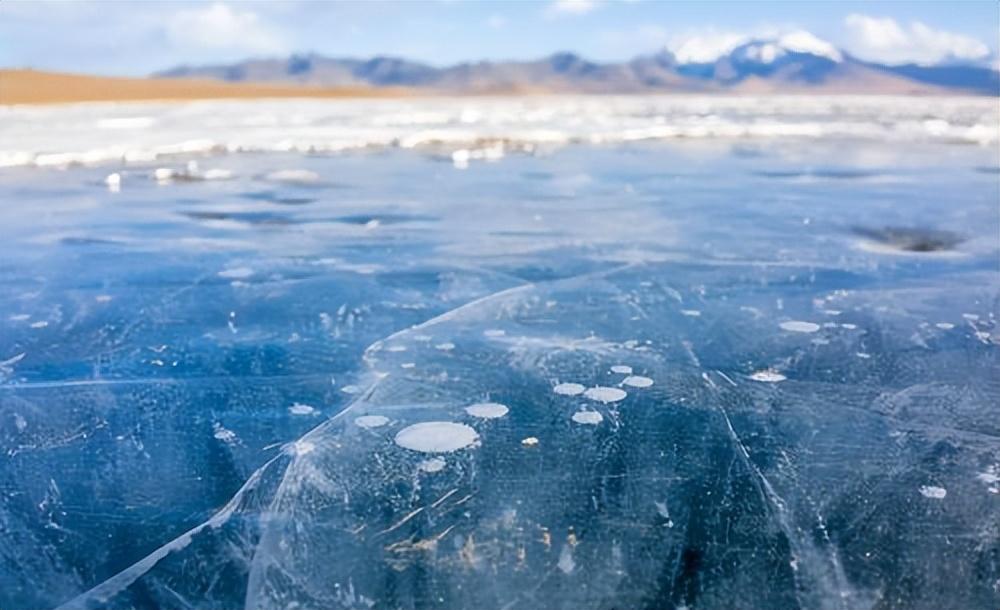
[[34, 87]]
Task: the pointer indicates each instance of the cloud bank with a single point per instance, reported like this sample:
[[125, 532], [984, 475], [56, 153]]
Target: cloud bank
[[885, 40], [880, 39], [219, 27], [571, 7]]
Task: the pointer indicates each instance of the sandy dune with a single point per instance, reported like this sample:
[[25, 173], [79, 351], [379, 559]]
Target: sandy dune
[[36, 87]]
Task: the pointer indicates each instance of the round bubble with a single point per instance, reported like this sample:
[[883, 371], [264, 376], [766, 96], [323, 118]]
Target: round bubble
[[569, 389], [588, 417], [487, 410], [797, 326], [637, 381], [371, 421], [605, 394], [436, 437]]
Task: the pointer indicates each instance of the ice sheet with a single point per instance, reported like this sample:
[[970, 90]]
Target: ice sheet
[[731, 372]]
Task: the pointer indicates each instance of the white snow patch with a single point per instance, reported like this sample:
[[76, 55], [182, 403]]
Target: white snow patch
[[126, 122], [445, 347], [114, 182], [621, 369], [945, 325], [764, 53], [294, 176]]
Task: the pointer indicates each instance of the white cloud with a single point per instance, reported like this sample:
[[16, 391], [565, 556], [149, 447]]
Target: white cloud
[[496, 21], [222, 28], [571, 7], [884, 39], [705, 47]]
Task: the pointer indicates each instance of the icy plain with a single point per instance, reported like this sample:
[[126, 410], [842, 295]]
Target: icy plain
[[660, 357]]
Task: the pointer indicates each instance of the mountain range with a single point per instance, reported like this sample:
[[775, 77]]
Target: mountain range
[[793, 63]]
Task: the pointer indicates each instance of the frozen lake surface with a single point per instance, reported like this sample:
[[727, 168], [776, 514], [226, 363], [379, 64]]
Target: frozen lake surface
[[712, 369]]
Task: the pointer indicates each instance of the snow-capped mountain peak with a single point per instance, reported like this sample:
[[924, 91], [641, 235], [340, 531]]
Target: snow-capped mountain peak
[[759, 52], [707, 49], [801, 41]]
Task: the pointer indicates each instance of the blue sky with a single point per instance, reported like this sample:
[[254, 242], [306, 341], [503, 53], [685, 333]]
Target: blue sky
[[138, 37]]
